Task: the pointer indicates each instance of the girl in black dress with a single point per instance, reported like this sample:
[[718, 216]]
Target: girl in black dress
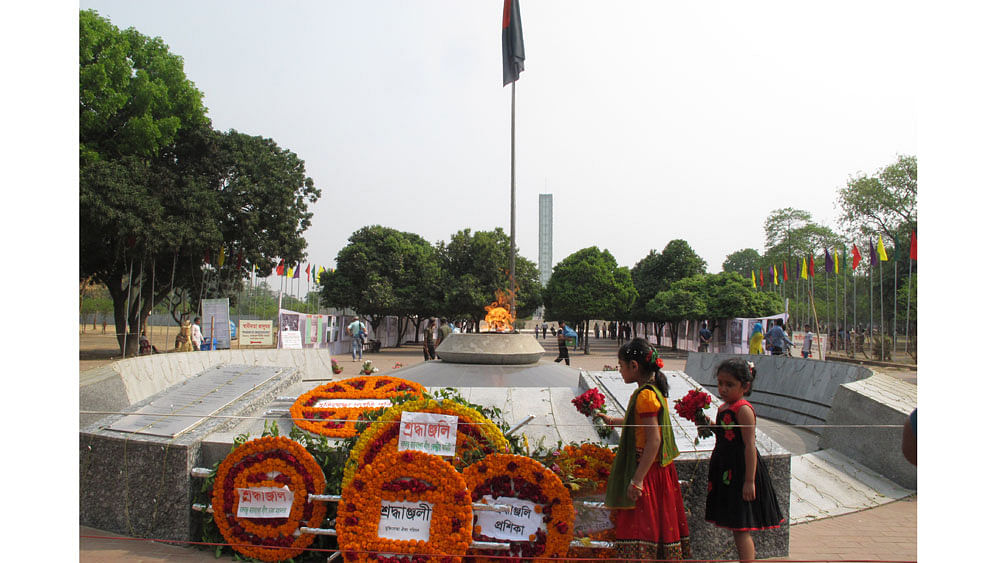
[[740, 495]]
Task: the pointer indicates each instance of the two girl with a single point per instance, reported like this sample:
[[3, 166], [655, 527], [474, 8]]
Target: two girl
[[650, 522]]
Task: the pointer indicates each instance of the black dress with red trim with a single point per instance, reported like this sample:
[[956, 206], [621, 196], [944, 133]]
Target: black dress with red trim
[[724, 505]]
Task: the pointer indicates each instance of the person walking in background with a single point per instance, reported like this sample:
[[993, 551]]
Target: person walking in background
[[545, 330], [757, 338], [741, 496], [704, 338], [536, 331], [643, 489], [563, 350], [429, 342], [776, 338], [357, 330], [196, 336], [444, 331], [807, 342]]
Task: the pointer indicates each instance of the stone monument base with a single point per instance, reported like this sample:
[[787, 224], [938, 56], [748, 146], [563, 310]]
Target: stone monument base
[[497, 348]]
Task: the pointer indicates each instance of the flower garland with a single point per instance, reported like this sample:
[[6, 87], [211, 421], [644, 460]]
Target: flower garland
[[268, 462], [413, 477], [339, 422], [476, 434], [521, 477], [585, 469]]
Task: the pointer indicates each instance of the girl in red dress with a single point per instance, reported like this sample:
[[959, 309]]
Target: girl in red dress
[[650, 523]]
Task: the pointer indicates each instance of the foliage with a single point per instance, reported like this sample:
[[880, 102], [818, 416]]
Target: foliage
[[729, 295], [675, 305], [160, 191], [883, 203], [791, 234], [589, 284], [743, 261], [476, 265]]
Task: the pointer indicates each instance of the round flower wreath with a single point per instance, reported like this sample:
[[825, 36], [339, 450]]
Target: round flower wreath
[[339, 422], [590, 463], [413, 477], [475, 432], [268, 462], [587, 462], [521, 477]]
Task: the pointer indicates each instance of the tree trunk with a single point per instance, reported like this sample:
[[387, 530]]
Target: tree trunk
[[586, 338], [673, 335]]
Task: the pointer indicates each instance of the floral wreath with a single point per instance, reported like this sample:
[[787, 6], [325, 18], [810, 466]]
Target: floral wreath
[[405, 476], [339, 422], [591, 464], [476, 434], [521, 477], [269, 462]]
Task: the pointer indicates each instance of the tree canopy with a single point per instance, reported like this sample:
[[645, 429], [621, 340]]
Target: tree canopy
[[589, 284], [162, 194], [885, 202]]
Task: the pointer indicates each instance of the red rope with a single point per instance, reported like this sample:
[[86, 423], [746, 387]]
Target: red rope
[[316, 549]]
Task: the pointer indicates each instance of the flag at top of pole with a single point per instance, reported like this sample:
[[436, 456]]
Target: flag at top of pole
[[513, 42]]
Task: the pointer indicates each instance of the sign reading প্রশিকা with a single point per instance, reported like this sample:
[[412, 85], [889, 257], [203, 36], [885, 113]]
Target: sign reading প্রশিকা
[[516, 524], [427, 432], [264, 502], [352, 403], [404, 520]]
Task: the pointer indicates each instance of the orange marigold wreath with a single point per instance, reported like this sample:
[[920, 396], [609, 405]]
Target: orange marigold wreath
[[339, 422], [521, 477], [405, 476], [269, 462], [585, 470], [477, 435]]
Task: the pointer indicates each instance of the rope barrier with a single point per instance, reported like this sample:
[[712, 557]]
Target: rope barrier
[[504, 557], [541, 424]]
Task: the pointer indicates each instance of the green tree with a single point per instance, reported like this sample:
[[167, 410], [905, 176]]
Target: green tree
[[676, 305], [383, 272], [589, 284], [743, 261], [884, 203], [476, 266], [657, 271], [161, 192], [729, 295]]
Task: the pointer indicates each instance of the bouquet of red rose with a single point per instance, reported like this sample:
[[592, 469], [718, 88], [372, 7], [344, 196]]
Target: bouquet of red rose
[[590, 403], [692, 407]]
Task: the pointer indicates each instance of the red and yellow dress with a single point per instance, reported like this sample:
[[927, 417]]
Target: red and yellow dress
[[656, 526]]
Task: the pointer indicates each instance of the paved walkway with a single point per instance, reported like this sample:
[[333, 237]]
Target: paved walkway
[[884, 533]]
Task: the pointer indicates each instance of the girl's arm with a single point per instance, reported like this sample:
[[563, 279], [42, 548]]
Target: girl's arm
[[747, 422], [611, 420], [650, 448]]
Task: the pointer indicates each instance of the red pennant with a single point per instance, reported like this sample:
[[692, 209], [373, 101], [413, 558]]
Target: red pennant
[[856, 257], [913, 245], [812, 267]]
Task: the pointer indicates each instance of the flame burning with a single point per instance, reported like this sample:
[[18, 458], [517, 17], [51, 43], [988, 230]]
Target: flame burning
[[498, 317]]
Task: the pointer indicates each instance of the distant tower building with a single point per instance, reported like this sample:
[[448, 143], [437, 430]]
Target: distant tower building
[[544, 238]]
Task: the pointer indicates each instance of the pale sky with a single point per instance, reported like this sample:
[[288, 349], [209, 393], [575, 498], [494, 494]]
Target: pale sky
[[647, 121]]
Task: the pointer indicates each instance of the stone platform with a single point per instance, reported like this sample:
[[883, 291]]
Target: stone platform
[[496, 348]]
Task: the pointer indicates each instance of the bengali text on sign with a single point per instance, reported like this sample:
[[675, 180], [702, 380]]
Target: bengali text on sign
[[264, 502], [404, 520], [517, 523], [256, 333], [428, 432], [352, 403]]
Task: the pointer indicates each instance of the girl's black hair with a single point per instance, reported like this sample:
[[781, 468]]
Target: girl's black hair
[[645, 354], [742, 370]]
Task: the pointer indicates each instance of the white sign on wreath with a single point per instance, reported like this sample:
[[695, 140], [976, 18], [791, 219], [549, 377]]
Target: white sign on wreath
[[427, 432], [264, 502], [516, 524], [404, 520], [352, 403]]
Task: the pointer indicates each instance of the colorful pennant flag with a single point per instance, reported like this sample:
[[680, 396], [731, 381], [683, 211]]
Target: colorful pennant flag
[[512, 42], [295, 276], [812, 266], [784, 270], [828, 266], [774, 272], [762, 277], [913, 245], [872, 255], [881, 250], [307, 270], [288, 271], [280, 270], [805, 269], [222, 255], [855, 257], [836, 262], [753, 280]]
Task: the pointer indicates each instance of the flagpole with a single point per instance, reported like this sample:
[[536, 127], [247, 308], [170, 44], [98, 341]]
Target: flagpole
[[895, 298], [128, 301], [836, 309], [871, 307], [881, 310], [513, 297], [909, 278]]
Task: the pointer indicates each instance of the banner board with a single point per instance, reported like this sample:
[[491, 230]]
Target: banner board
[[256, 333], [291, 339], [427, 432], [264, 502], [517, 523], [404, 520], [216, 310]]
